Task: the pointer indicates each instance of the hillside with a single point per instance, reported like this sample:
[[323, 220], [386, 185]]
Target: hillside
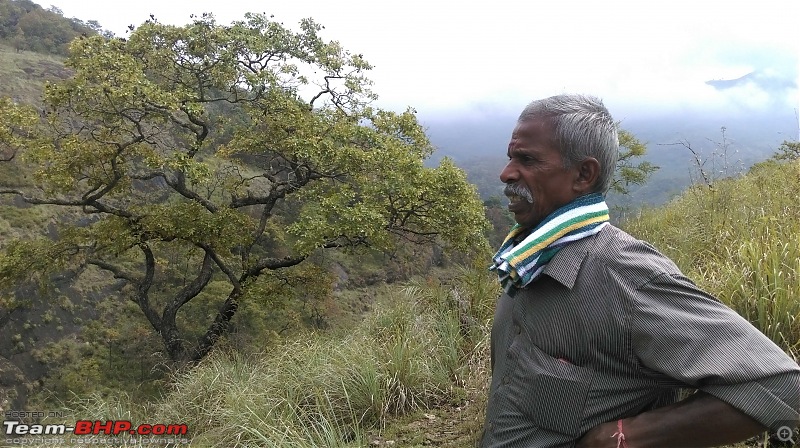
[[86, 315], [33, 44], [25, 72], [414, 372], [27, 26]]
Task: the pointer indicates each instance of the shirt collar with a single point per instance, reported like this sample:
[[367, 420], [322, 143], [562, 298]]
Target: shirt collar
[[565, 265]]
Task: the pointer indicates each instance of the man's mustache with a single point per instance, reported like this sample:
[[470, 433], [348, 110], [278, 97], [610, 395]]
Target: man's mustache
[[518, 190]]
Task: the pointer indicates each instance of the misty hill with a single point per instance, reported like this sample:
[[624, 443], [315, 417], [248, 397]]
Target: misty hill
[[477, 142], [763, 79]]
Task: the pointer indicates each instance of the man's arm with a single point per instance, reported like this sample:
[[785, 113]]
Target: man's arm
[[701, 420], [747, 382], [683, 333]]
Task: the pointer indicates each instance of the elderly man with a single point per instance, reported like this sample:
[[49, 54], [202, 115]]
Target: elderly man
[[596, 331]]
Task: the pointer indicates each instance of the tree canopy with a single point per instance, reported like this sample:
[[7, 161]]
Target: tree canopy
[[239, 150]]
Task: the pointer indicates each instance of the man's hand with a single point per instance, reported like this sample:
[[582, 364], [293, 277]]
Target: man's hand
[[601, 436], [701, 420]]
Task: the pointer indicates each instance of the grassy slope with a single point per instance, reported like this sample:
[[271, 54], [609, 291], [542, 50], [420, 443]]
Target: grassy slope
[[24, 73], [738, 240]]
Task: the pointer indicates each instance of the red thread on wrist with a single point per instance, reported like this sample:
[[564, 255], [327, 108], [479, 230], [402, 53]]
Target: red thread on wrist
[[620, 436]]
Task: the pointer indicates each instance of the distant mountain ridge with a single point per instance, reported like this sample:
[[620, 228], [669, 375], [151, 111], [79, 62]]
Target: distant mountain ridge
[[766, 80]]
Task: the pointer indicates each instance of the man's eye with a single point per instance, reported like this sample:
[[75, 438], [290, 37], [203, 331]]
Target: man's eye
[[522, 158]]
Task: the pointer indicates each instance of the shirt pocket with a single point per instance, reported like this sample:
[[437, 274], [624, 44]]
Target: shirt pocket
[[551, 392]]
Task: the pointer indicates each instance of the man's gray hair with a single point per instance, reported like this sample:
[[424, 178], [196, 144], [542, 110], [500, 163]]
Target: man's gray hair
[[582, 128]]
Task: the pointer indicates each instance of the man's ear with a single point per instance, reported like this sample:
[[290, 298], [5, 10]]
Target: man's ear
[[588, 170]]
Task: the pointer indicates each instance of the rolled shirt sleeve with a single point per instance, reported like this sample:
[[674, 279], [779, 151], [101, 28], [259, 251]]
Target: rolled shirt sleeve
[[681, 332]]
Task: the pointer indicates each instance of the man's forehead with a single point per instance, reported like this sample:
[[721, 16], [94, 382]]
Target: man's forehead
[[534, 131], [532, 128]]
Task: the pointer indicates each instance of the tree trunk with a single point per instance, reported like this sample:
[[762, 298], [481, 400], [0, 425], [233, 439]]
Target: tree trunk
[[218, 328]]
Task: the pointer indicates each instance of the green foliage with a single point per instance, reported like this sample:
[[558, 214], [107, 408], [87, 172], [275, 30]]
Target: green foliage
[[17, 123], [628, 172], [80, 369], [788, 151], [281, 301], [243, 148], [33, 259], [738, 240]]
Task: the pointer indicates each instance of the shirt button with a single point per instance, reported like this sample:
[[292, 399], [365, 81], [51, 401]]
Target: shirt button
[[506, 379], [517, 329]]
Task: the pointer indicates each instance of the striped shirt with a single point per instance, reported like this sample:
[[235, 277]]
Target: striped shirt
[[613, 329]]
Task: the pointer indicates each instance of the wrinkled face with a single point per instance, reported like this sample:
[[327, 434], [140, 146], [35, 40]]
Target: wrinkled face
[[536, 181]]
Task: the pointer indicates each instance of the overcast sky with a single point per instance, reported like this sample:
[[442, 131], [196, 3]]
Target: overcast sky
[[446, 56]]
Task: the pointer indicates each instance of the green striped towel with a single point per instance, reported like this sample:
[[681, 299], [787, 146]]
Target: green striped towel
[[518, 264]]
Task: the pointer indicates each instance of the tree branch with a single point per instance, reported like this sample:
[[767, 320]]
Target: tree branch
[[143, 288], [217, 328], [697, 160], [179, 185], [116, 270]]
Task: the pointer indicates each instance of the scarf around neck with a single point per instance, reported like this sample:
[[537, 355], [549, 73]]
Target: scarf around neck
[[519, 263]]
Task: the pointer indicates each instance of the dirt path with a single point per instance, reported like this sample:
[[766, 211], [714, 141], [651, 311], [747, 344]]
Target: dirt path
[[450, 426]]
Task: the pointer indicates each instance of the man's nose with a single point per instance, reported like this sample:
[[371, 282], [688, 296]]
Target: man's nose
[[510, 174]]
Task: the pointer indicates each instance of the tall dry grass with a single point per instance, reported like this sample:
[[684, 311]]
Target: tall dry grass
[[739, 239], [422, 348]]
